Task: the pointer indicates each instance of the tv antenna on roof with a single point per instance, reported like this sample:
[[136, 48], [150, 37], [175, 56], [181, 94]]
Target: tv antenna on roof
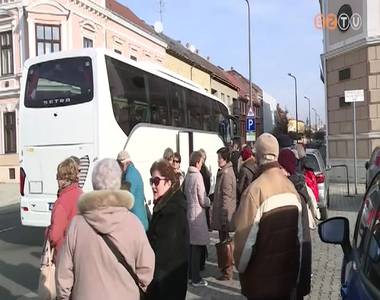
[[162, 5]]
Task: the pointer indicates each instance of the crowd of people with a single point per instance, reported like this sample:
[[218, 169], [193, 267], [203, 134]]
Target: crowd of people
[[108, 244]]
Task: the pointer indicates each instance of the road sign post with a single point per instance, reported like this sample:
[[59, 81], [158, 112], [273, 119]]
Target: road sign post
[[250, 127], [354, 96]]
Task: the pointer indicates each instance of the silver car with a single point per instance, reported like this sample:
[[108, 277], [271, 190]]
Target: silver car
[[314, 161], [372, 166]]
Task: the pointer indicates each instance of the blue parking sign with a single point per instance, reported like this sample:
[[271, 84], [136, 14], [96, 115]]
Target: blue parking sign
[[251, 124]]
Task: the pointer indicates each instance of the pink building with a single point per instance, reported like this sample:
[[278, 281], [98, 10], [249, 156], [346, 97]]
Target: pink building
[[36, 27]]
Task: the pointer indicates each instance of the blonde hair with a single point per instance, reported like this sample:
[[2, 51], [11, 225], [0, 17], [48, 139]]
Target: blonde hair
[[68, 170]]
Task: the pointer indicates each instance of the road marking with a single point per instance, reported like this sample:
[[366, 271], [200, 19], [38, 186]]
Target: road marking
[[8, 229]]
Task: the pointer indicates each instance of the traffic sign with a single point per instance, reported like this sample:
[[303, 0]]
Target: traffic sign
[[251, 136], [251, 124], [354, 96]]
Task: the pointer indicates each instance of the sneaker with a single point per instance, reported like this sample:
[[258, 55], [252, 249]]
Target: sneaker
[[202, 282]]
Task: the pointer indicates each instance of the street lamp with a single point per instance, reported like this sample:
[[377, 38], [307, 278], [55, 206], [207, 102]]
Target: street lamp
[[308, 99], [249, 53], [295, 90]]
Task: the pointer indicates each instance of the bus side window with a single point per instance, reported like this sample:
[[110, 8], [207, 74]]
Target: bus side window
[[178, 106], [128, 90], [159, 100], [194, 110], [206, 113]]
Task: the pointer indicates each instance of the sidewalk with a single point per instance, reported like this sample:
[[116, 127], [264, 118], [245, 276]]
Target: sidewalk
[[9, 194], [327, 259]]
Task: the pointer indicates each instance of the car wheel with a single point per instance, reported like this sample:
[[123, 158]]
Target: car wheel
[[323, 211]]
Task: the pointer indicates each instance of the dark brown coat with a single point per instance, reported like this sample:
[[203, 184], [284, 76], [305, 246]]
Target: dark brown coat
[[224, 203]]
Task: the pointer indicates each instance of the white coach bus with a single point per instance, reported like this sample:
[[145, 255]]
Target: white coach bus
[[92, 103]]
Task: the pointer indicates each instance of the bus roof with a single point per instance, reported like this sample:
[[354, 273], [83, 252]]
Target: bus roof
[[146, 66]]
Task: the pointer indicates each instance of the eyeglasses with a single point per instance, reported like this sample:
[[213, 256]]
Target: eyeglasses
[[177, 161], [155, 180]]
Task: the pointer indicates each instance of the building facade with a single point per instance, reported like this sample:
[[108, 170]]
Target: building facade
[[187, 62], [30, 28], [351, 61], [242, 104]]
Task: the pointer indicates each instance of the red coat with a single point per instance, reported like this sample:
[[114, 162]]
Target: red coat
[[65, 208], [311, 182]]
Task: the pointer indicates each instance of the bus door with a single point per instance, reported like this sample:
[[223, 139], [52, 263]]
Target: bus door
[[229, 129], [185, 146]]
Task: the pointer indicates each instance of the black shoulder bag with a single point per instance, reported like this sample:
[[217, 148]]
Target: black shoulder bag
[[121, 260]]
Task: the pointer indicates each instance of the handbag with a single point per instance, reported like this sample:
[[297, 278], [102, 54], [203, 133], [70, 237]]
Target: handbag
[[120, 258], [46, 284], [225, 250]]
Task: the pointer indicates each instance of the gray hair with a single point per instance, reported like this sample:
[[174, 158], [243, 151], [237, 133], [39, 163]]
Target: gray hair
[[195, 157], [168, 153], [203, 153], [106, 175]]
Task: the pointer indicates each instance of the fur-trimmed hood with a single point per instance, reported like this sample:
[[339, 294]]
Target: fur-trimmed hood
[[105, 209]]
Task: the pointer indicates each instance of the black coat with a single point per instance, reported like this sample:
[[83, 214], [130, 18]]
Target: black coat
[[303, 287], [168, 235], [247, 174]]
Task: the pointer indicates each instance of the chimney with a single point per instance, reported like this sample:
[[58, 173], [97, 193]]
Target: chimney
[[232, 68], [208, 58], [197, 51], [187, 45]]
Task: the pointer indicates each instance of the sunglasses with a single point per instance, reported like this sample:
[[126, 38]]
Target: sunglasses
[[177, 161], [155, 180]]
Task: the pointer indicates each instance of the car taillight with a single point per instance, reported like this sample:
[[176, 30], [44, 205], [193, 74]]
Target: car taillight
[[22, 181], [377, 161], [320, 178]]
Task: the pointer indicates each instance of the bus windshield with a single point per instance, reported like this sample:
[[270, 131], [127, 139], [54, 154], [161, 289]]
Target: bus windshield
[[59, 82]]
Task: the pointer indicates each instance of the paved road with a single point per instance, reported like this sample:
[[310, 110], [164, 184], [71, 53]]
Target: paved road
[[20, 251]]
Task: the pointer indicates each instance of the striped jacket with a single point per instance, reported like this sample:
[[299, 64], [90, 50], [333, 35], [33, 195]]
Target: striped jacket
[[268, 236]]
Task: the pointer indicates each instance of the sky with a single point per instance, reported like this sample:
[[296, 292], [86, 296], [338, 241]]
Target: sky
[[284, 40]]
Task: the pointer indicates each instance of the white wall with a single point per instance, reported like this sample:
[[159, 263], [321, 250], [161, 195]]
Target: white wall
[[269, 107]]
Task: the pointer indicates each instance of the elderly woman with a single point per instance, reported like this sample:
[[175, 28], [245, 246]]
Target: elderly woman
[[87, 267], [65, 208], [197, 201], [168, 234]]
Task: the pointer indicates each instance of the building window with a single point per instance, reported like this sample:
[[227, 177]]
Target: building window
[[117, 51], [88, 43], [344, 74], [214, 92], [222, 96], [10, 132], [12, 173], [6, 53], [342, 103], [48, 39], [133, 58]]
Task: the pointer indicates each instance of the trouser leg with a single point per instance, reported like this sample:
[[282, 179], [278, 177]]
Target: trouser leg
[[195, 260]]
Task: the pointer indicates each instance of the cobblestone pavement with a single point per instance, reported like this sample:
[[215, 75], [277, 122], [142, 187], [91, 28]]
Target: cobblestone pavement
[[327, 259]]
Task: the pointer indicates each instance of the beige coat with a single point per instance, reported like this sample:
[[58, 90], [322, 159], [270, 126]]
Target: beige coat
[[268, 236], [86, 267], [197, 201], [224, 204]]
